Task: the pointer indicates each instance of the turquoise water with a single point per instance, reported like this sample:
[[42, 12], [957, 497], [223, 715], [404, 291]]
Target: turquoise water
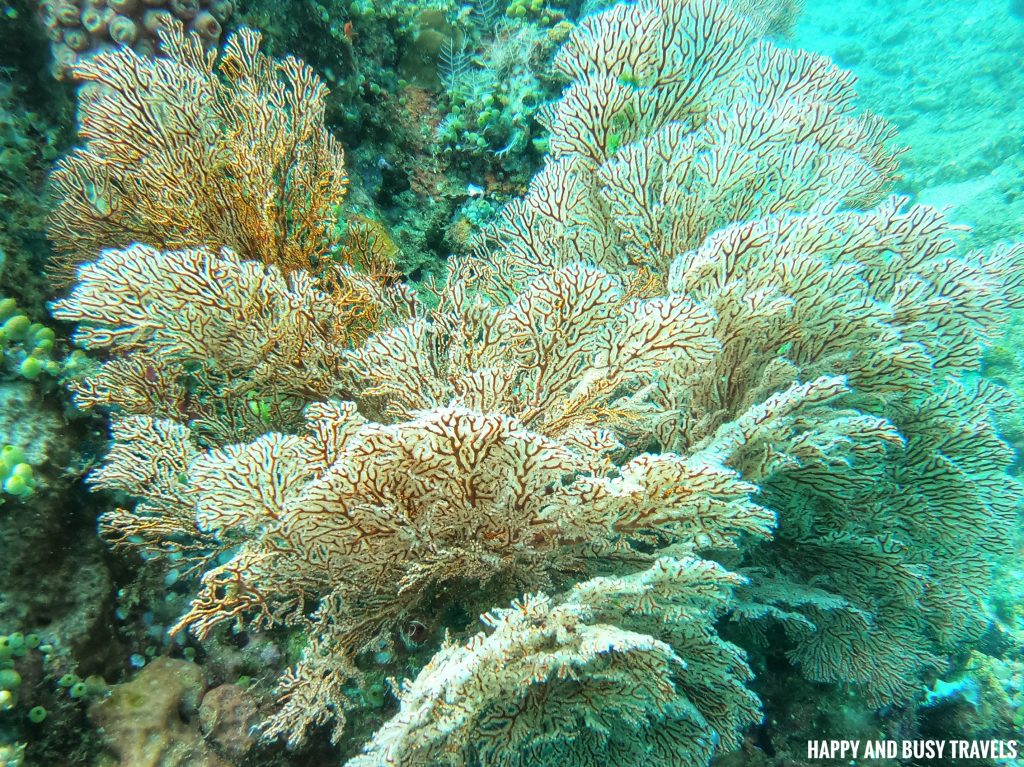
[[946, 74], [485, 384]]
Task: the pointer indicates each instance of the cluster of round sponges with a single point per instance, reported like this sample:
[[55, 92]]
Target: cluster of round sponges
[[16, 475], [25, 346], [14, 646], [78, 28]]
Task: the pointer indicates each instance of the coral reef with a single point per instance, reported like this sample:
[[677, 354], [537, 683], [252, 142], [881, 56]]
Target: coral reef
[[582, 680], [425, 95], [493, 96], [379, 519], [228, 345], [740, 157], [654, 146], [701, 401], [78, 29], [180, 151]]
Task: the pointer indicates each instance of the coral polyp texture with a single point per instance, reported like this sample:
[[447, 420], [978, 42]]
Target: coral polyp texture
[[705, 376], [78, 29], [192, 149]]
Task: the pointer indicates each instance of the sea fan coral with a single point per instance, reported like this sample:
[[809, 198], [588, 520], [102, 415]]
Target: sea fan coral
[[563, 353], [703, 333], [380, 519], [184, 151], [693, 139], [580, 681], [683, 126], [150, 460], [232, 347]]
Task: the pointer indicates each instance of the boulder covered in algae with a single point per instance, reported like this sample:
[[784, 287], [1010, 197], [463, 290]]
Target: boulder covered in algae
[[227, 717], [153, 720]]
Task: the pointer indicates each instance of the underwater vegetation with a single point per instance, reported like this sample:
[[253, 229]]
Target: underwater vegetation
[[692, 417]]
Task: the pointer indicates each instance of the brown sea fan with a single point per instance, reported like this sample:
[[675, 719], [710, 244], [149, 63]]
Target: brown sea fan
[[190, 150]]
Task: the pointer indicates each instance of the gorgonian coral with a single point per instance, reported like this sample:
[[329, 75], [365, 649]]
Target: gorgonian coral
[[685, 125], [381, 520], [231, 347], [738, 175], [618, 671], [194, 150], [226, 159], [898, 542], [703, 317], [565, 352]]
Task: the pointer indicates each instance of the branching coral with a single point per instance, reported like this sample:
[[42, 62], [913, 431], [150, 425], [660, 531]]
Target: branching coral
[[563, 353], [203, 337], [378, 520], [768, 17], [703, 316], [184, 151], [681, 127], [693, 139], [877, 296], [899, 548], [580, 681], [150, 460], [390, 511], [902, 536]]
